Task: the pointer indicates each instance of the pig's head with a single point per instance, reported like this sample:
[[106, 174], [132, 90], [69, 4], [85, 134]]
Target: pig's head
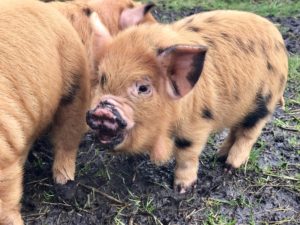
[[140, 81], [116, 15]]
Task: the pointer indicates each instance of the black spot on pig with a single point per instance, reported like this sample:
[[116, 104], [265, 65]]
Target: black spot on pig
[[182, 143], [270, 66], [207, 114], [251, 47], [268, 98], [197, 67], [69, 97], [87, 11], [210, 20], [263, 49], [209, 41], [225, 36], [260, 110], [241, 45], [193, 29]]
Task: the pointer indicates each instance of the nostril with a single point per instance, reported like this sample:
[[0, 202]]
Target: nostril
[[89, 119], [106, 103], [105, 115], [122, 123], [103, 112]]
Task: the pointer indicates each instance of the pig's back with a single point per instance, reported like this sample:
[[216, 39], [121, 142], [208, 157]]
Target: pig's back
[[246, 60], [33, 37]]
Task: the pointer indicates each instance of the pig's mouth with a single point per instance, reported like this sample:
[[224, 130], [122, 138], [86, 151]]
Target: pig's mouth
[[110, 135], [108, 125]]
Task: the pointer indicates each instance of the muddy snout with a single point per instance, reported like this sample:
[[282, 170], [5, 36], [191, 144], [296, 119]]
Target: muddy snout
[[105, 115], [106, 120]]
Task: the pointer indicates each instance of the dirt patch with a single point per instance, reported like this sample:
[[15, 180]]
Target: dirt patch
[[266, 190], [290, 28]]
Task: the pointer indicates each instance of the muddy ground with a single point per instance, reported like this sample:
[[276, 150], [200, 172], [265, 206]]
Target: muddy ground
[[266, 191]]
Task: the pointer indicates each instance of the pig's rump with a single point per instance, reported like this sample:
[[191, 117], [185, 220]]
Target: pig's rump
[[246, 62]]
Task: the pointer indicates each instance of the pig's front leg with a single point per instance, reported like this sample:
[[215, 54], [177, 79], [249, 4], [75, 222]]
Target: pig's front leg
[[162, 150], [187, 160]]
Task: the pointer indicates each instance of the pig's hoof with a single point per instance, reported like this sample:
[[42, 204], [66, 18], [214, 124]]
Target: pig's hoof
[[12, 218], [63, 171], [183, 189], [228, 169], [62, 177], [236, 161]]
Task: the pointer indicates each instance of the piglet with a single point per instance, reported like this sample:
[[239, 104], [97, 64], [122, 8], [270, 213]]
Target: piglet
[[164, 89]]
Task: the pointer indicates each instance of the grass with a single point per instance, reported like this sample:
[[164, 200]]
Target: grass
[[252, 164], [262, 7], [214, 218], [294, 80], [215, 215], [48, 196]]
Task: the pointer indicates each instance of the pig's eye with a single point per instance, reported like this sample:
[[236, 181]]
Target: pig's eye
[[144, 89], [141, 88]]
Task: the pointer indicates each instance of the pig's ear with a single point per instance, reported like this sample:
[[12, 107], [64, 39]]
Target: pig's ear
[[101, 37], [133, 16], [182, 66]]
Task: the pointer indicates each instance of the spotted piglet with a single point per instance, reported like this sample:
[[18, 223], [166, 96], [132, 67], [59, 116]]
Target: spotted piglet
[[165, 88]]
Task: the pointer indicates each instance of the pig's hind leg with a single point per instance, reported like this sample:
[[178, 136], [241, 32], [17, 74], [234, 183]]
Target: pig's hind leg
[[245, 138], [249, 129], [225, 148]]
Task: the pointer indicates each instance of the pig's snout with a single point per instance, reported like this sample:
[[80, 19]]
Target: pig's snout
[[107, 121], [105, 115]]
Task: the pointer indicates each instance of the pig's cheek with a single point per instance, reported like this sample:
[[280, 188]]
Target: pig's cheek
[[95, 98], [127, 114], [130, 116], [94, 103], [130, 124], [132, 93]]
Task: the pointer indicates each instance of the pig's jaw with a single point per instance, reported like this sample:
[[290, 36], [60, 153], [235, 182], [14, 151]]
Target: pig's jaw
[[109, 140]]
